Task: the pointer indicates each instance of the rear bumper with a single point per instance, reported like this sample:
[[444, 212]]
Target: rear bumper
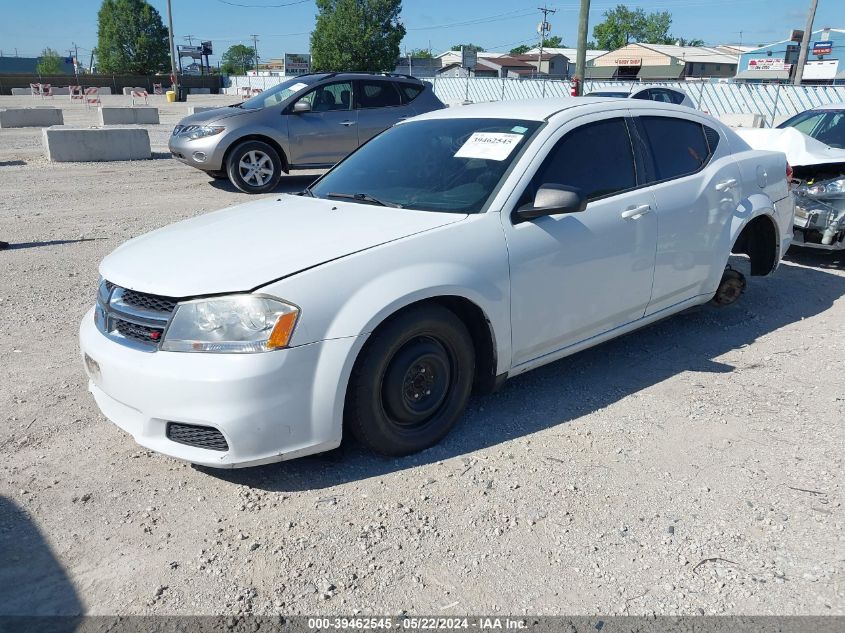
[[269, 407]]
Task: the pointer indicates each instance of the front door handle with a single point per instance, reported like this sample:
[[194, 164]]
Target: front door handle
[[730, 183], [347, 123], [636, 212]]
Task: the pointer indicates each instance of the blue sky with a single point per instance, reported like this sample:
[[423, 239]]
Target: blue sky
[[29, 26]]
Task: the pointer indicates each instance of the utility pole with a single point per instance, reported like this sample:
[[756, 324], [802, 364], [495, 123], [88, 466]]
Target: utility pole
[[75, 60], [805, 42], [542, 29], [174, 78], [581, 54], [190, 39], [255, 50]]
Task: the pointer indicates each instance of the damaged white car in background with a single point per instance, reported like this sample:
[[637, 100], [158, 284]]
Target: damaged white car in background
[[814, 144]]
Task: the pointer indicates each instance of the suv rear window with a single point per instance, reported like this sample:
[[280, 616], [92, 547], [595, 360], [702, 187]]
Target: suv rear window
[[378, 94], [410, 91]]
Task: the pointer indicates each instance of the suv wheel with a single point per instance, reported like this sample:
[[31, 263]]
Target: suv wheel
[[254, 167], [411, 382]]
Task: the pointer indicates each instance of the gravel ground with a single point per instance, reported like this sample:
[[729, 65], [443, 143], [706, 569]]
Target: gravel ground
[[692, 467]]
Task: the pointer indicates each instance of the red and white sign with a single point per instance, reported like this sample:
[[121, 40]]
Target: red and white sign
[[768, 63], [139, 94], [75, 93], [92, 96], [629, 61]]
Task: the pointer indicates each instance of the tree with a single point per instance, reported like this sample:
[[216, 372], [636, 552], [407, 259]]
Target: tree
[[685, 42], [131, 38], [520, 50], [421, 53], [622, 26], [553, 42], [237, 60], [50, 63], [469, 47], [356, 35]]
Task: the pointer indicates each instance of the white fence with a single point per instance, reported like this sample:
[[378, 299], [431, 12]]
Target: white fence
[[773, 101]]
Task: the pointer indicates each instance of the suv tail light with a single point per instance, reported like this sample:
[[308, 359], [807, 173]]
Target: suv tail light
[[789, 172]]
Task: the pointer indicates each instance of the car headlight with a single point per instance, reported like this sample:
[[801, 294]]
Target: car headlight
[[826, 189], [231, 324], [203, 131]]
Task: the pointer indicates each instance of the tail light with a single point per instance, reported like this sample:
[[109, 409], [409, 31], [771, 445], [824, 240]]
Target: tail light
[[789, 173]]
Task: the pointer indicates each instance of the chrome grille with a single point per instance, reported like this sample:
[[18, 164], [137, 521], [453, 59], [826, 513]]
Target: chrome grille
[[129, 315]]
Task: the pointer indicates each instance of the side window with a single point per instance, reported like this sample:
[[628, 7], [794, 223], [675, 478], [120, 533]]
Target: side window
[[679, 146], [337, 96], [410, 91], [597, 158], [675, 96], [378, 94], [643, 94]]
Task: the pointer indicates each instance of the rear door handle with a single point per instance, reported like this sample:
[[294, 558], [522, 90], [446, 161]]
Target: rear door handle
[[347, 123], [636, 212], [730, 183]]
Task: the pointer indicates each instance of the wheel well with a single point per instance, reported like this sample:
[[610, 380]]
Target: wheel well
[[480, 330], [759, 240], [263, 139]]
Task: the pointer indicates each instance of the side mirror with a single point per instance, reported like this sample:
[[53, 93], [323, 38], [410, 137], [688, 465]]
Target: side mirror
[[301, 106], [552, 199]]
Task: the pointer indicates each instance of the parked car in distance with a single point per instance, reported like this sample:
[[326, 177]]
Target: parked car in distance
[[307, 122], [451, 252], [661, 94], [814, 144]]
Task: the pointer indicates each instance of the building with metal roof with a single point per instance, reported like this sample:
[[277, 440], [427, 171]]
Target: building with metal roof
[[663, 62]]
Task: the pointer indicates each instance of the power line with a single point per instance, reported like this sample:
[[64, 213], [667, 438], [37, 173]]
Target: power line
[[262, 6]]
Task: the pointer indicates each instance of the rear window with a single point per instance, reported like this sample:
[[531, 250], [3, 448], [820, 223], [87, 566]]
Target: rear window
[[679, 146], [410, 91], [378, 94]]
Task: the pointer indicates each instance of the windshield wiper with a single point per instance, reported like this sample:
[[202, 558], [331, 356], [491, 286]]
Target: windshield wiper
[[307, 192], [235, 105], [364, 197]]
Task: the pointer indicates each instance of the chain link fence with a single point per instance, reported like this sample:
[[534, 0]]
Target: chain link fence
[[774, 102]]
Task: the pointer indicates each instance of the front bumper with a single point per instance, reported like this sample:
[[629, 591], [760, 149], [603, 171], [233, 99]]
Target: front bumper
[[269, 406], [203, 153]]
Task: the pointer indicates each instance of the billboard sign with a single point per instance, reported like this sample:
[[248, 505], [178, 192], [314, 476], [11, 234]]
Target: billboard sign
[[297, 63], [767, 63], [822, 48], [469, 57], [822, 69]]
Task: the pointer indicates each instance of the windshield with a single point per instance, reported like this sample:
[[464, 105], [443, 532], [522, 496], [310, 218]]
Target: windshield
[[451, 165], [277, 94], [826, 126]]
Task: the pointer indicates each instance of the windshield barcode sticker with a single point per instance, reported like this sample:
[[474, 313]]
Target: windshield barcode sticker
[[296, 87], [488, 145]]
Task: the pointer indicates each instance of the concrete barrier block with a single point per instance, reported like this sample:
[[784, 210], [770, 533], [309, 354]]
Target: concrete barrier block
[[30, 117], [199, 91], [736, 119], [73, 144], [127, 115]]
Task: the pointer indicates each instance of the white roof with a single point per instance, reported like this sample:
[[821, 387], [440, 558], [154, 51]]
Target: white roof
[[458, 54], [541, 109], [568, 52]]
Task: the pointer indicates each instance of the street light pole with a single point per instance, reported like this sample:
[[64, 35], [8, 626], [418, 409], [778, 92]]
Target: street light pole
[[805, 43], [174, 78]]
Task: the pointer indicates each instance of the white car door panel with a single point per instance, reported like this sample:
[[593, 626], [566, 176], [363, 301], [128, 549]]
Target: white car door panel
[[696, 193], [577, 275]]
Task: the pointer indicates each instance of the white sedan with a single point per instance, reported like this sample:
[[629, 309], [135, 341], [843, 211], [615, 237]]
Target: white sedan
[[453, 251]]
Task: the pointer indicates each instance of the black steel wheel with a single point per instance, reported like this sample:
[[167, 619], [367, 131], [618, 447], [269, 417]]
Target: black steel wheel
[[412, 381]]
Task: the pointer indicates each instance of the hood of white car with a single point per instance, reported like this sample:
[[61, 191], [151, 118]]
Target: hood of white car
[[799, 148], [250, 245]]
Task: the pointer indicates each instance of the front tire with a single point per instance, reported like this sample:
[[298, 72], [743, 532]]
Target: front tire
[[412, 381], [254, 167]]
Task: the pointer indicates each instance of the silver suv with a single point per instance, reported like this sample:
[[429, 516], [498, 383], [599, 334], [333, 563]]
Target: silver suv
[[307, 122]]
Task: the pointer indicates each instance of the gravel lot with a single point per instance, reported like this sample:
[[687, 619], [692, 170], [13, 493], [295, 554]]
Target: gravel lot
[[693, 467]]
